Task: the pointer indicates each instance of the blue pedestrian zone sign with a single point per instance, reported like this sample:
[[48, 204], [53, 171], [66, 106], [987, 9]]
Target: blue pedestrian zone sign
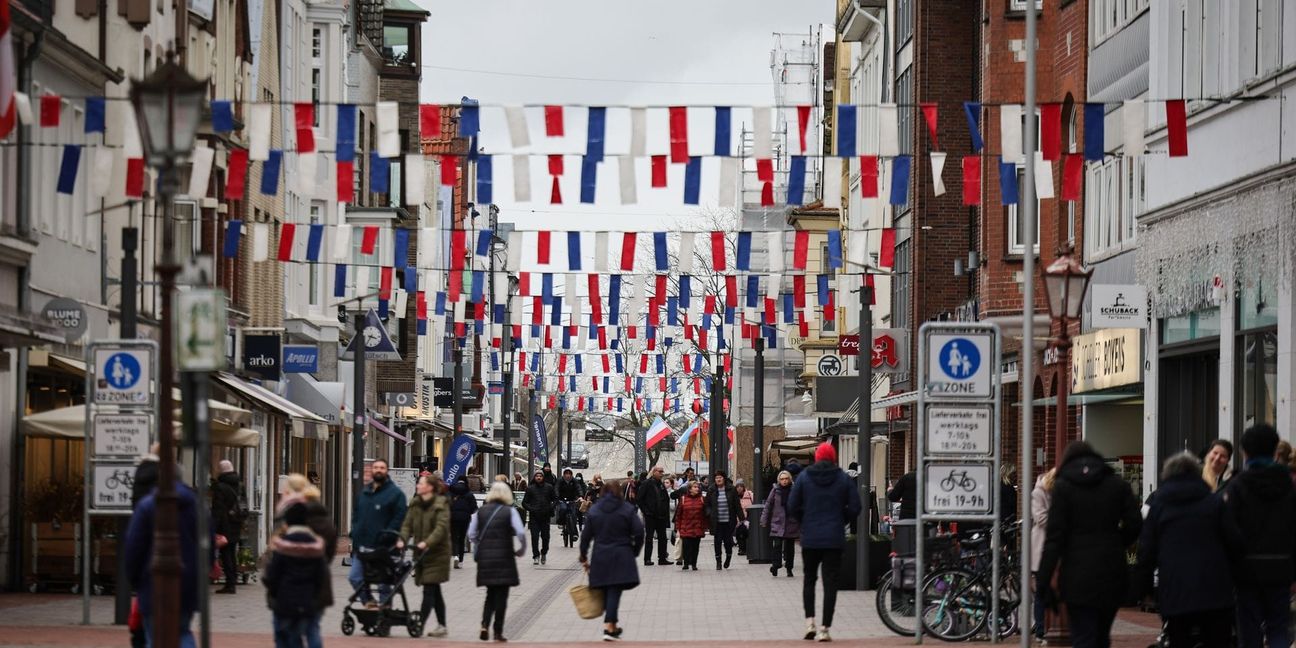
[[955, 366], [123, 376], [960, 359]]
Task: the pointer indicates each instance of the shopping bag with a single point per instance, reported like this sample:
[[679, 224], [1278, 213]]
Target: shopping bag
[[588, 601], [135, 620]]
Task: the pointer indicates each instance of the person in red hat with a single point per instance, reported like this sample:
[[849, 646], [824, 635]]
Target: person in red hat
[[824, 500]]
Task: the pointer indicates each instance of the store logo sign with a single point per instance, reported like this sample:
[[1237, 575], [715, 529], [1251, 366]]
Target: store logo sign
[[1118, 306]]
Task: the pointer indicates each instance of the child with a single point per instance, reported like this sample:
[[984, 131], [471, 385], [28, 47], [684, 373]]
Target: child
[[294, 578]]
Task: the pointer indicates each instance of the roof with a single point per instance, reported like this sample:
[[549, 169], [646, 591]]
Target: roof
[[404, 5]]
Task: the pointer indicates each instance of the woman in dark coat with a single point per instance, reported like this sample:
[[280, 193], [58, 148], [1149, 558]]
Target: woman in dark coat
[[1187, 540], [492, 532], [691, 522], [616, 531], [783, 528], [462, 507], [1093, 519]]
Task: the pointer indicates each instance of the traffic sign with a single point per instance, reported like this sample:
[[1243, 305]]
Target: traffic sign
[[111, 487], [200, 329], [830, 364], [959, 365], [124, 435], [959, 488], [959, 430], [123, 375]]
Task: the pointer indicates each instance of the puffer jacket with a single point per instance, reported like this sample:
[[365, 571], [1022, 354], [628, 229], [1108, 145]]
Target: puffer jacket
[[1187, 540], [691, 517], [825, 500], [296, 573], [428, 520], [1262, 502], [462, 504], [775, 517]]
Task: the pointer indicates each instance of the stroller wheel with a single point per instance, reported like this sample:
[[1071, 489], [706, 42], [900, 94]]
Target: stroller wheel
[[414, 624], [348, 624], [383, 628], [368, 630]]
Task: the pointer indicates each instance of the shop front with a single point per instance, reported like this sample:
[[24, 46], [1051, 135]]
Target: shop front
[[1107, 384]]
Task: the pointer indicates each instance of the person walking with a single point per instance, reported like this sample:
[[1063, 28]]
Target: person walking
[[381, 508], [299, 488], [595, 487], [1041, 497], [745, 499], [139, 558], [616, 533], [784, 529], [540, 501], [519, 482], [227, 520], [549, 476], [654, 501], [1262, 503], [1215, 464], [691, 522], [462, 507], [724, 509], [1092, 520], [492, 533], [295, 577], [1187, 541], [905, 492], [824, 501], [568, 492], [427, 525]]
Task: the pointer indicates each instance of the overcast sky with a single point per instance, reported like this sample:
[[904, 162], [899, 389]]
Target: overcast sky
[[505, 52]]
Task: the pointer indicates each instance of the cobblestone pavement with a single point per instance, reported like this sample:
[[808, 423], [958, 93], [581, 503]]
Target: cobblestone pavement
[[743, 604]]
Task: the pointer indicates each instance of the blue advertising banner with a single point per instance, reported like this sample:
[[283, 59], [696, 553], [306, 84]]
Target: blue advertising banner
[[461, 453], [540, 439], [300, 358]]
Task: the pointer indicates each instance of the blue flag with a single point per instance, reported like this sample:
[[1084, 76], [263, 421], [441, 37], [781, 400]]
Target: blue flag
[[68, 169], [796, 181], [346, 132], [845, 130], [722, 137], [1007, 182], [1094, 114], [595, 133], [692, 180], [972, 110], [270, 173], [900, 179], [461, 454], [485, 180]]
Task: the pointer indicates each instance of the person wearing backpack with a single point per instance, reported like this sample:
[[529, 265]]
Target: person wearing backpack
[[228, 515], [295, 577]]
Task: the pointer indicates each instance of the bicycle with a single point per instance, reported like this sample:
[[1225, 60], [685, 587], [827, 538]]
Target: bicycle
[[948, 484], [567, 514], [120, 478], [957, 599]]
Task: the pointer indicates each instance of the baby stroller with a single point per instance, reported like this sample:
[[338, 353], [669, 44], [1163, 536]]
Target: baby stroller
[[385, 567]]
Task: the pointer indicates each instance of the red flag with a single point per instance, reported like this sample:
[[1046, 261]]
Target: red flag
[[346, 182], [50, 106], [803, 327], [868, 281], [628, 251], [542, 247], [458, 247], [553, 117], [868, 176], [385, 283], [555, 193], [596, 304], [929, 115], [134, 176], [679, 134], [658, 171], [971, 180], [1072, 176], [304, 118], [286, 234], [717, 251], [769, 314], [454, 286], [429, 120], [731, 291], [1051, 131], [555, 165], [524, 284], [537, 310], [449, 170], [803, 124], [801, 250], [420, 308], [799, 291], [886, 255], [236, 181], [369, 239], [767, 194], [1177, 126], [8, 82], [765, 170]]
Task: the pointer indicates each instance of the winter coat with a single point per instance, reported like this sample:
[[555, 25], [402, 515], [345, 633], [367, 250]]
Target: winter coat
[[475, 483], [775, 517], [146, 478], [540, 501], [549, 477], [691, 517], [653, 500], [380, 509], [227, 515], [568, 490], [296, 573], [1262, 503], [1188, 540], [747, 499], [824, 500], [428, 520], [139, 549], [462, 505], [1040, 500], [905, 491], [617, 534], [321, 524], [736, 513], [493, 535], [1093, 518]]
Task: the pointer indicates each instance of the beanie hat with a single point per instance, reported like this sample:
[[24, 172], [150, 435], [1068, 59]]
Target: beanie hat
[[826, 452]]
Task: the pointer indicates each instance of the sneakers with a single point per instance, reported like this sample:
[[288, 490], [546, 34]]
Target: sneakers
[[543, 557], [811, 631], [458, 563], [608, 636], [535, 561], [823, 635], [439, 631]]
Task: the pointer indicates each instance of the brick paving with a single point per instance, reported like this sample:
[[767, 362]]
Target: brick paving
[[742, 606]]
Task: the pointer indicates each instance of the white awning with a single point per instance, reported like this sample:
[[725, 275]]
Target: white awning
[[324, 399], [305, 424], [69, 423]]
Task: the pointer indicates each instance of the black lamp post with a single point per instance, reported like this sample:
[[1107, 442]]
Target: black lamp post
[[168, 107], [1065, 282]]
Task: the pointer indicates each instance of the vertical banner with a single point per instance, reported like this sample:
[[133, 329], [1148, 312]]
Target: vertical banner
[[461, 453], [540, 438]]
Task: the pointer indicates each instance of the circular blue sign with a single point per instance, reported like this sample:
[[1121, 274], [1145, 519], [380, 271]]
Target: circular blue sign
[[122, 371], [960, 359]]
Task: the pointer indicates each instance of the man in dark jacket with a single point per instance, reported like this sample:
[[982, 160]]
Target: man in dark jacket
[[1262, 503], [905, 491], [381, 507], [654, 502], [725, 510], [1188, 540], [568, 492], [824, 501], [227, 518], [146, 475], [549, 476], [540, 501], [139, 558], [1093, 518]]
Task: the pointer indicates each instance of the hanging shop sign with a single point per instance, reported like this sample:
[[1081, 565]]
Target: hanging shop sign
[[1105, 359], [1118, 306], [68, 315], [261, 355], [300, 358]]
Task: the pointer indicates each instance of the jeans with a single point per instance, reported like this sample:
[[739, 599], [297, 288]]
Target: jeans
[[830, 559], [291, 632], [458, 538], [496, 605], [611, 603], [313, 638], [356, 577], [691, 546], [539, 538], [784, 552], [1263, 612], [186, 633], [1214, 629], [1091, 626], [228, 563], [432, 599], [657, 527], [1040, 623], [724, 536]]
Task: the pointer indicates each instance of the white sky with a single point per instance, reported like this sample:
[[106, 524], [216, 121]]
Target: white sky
[[714, 52]]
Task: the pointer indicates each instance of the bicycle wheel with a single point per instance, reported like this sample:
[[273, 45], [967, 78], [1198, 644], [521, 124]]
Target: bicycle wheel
[[955, 604], [1009, 603], [896, 607]]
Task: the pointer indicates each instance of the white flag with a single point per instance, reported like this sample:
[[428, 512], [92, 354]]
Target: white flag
[[519, 136], [259, 116], [1043, 177], [200, 176], [101, 180], [888, 131], [638, 132], [426, 251], [1133, 125], [1010, 132], [305, 177], [515, 251], [522, 178], [600, 251], [832, 183], [23, 104], [260, 241], [415, 174], [762, 147], [686, 252], [388, 113], [774, 246], [728, 181], [342, 243], [938, 168], [626, 171], [857, 247]]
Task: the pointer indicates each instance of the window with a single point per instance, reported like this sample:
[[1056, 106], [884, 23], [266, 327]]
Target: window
[[1114, 199], [900, 285], [1016, 239], [398, 45], [188, 230], [317, 43], [904, 22], [1107, 17], [314, 280], [1020, 5], [904, 92], [1072, 145]]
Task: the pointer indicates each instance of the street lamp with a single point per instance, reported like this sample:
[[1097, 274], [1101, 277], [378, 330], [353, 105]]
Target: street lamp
[[1065, 282], [168, 107]]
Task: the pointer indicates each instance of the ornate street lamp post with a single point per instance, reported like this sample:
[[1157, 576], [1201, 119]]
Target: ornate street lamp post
[[1065, 282]]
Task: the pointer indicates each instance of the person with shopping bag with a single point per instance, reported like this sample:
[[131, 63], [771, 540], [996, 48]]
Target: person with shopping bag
[[617, 534]]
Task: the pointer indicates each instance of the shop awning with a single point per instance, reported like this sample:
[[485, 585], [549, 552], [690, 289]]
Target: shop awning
[[305, 424], [796, 446], [377, 425], [69, 423], [1089, 399], [484, 444], [71, 365], [324, 399]]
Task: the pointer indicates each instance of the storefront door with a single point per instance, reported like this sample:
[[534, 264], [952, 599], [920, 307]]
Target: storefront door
[[1188, 417]]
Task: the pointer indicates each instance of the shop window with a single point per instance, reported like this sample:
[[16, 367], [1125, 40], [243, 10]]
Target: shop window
[[1193, 326], [1257, 306], [1257, 380]]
